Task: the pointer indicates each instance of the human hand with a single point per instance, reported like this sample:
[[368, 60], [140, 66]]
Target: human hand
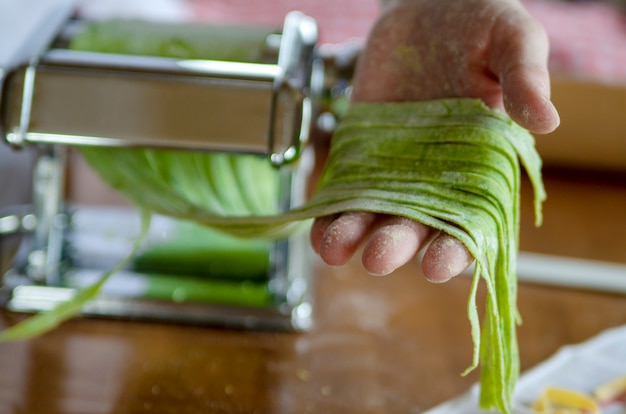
[[433, 49]]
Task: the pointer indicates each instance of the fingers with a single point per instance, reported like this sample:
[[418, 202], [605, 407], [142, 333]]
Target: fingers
[[336, 238], [520, 52], [445, 258], [396, 241], [389, 243]]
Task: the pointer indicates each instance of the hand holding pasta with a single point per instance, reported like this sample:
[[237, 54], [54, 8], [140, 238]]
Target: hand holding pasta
[[431, 49]]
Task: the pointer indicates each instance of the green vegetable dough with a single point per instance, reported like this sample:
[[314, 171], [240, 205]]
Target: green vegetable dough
[[451, 164]]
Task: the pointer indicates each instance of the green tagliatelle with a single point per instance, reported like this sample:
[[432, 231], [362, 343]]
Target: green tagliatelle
[[451, 164]]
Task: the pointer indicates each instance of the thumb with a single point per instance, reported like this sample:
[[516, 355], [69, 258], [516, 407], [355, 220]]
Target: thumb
[[526, 103], [522, 67]]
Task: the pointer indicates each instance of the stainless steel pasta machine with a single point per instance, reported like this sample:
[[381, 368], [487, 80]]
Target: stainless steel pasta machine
[[54, 98]]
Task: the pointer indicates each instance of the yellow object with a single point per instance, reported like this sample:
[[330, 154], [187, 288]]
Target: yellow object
[[560, 401], [611, 390]]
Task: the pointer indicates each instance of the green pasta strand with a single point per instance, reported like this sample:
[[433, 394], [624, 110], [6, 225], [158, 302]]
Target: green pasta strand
[[44, 322], [451, 164]]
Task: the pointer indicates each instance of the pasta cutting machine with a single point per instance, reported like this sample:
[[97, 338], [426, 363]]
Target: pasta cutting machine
[[54, 99]]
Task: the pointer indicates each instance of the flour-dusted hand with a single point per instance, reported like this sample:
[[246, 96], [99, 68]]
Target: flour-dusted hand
[[431, 49]]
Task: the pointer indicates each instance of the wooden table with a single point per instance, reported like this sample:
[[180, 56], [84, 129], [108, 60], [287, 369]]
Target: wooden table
[[394, 344]]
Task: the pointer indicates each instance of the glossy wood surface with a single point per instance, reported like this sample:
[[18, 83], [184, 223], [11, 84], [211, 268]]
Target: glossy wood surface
[[394, 344]]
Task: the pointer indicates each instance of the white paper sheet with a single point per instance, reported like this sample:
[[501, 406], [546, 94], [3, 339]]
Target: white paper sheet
[[582, 368]]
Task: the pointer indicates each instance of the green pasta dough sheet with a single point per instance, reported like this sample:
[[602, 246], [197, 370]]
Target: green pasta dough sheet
[[228, 42]]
